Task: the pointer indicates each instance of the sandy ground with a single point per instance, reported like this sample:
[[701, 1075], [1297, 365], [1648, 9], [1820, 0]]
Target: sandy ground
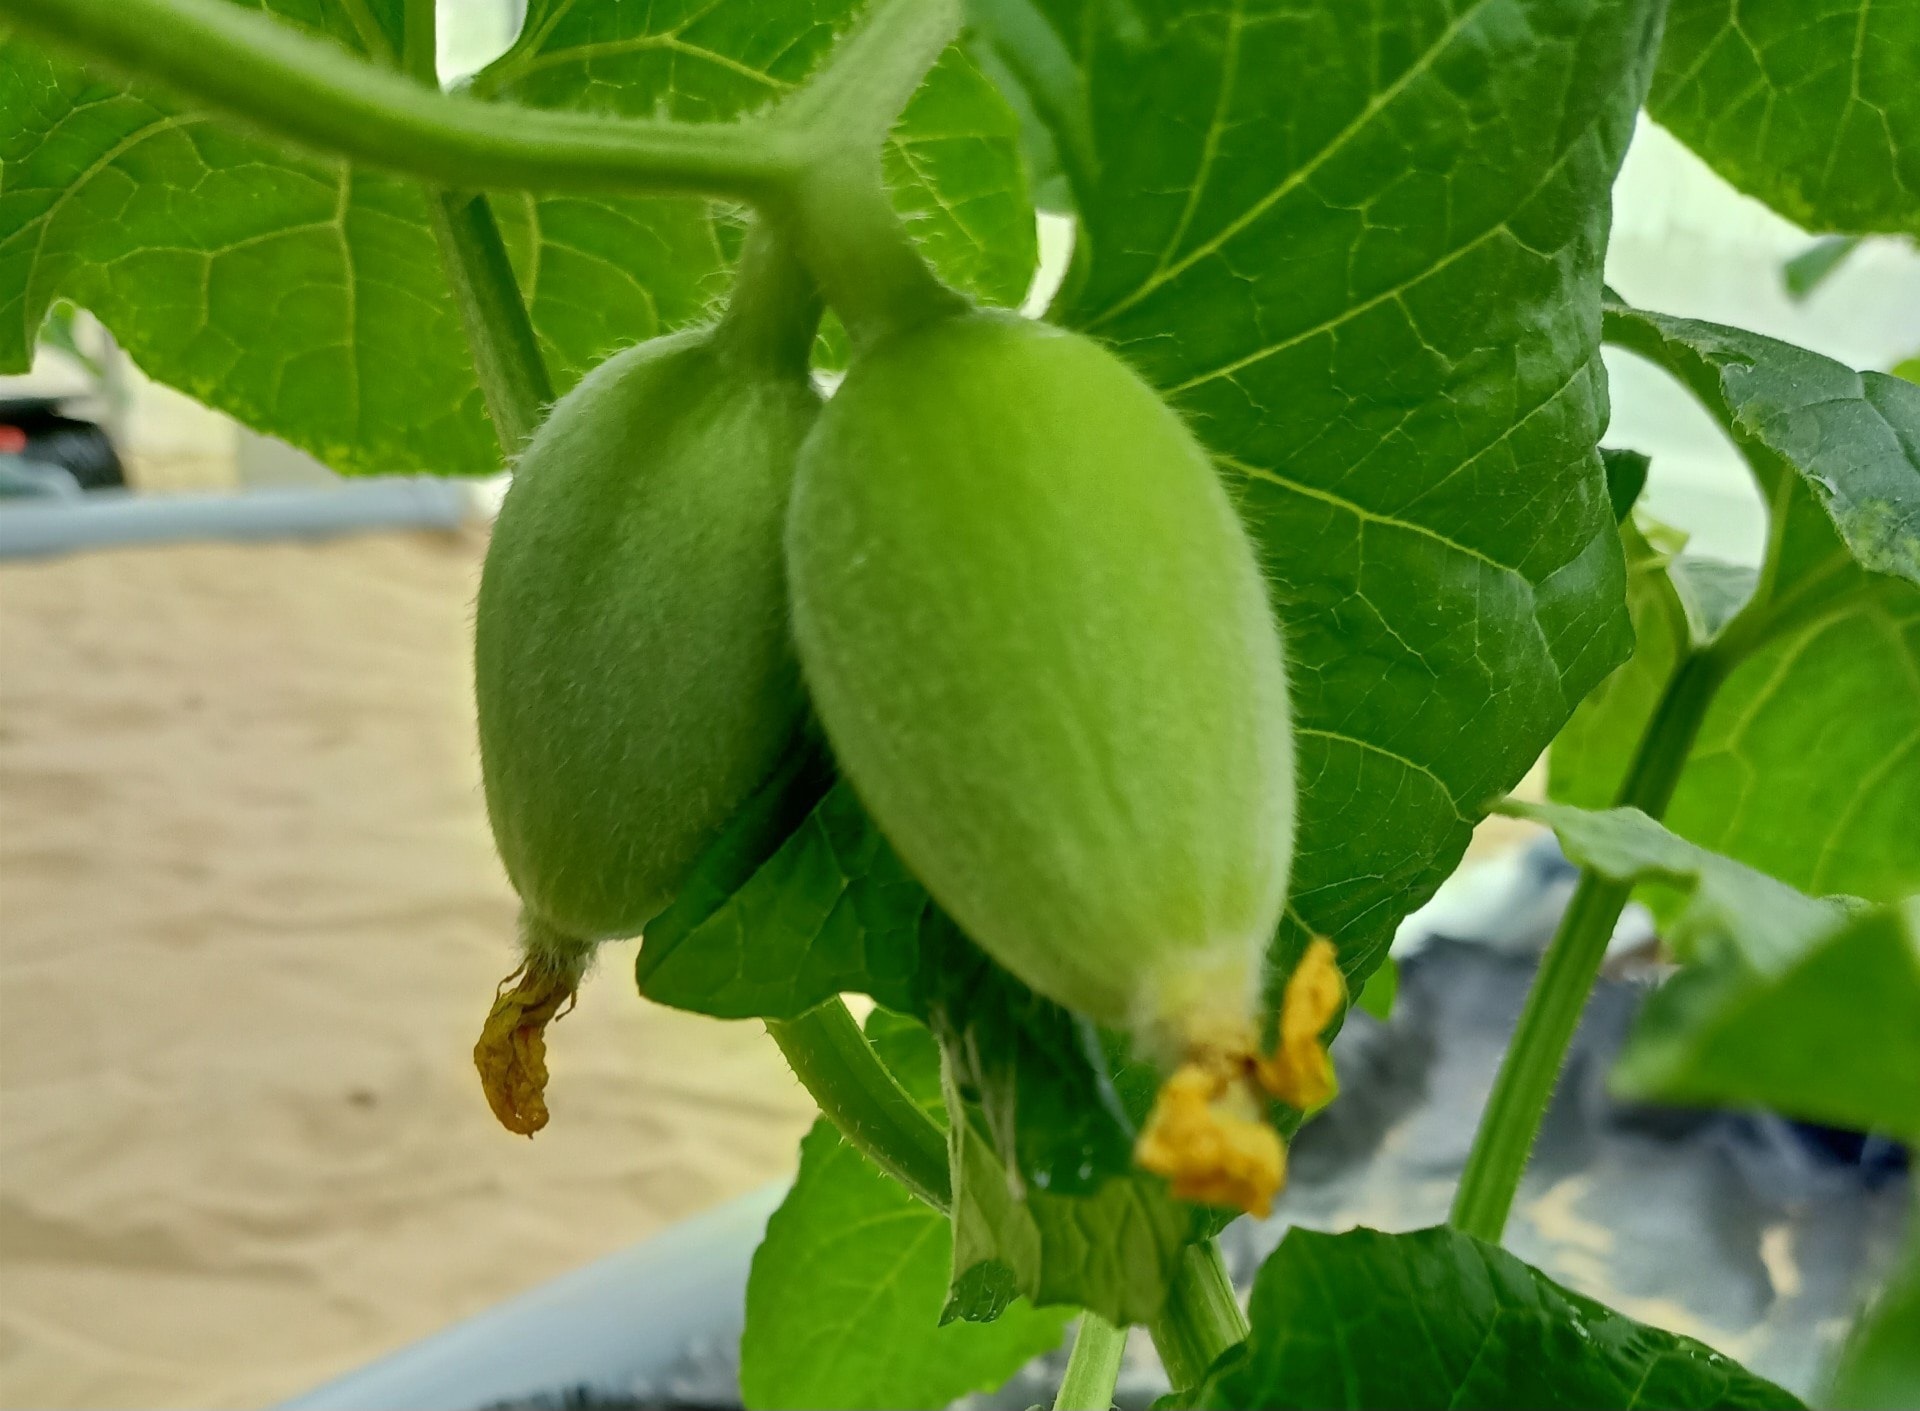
[[249, 921]]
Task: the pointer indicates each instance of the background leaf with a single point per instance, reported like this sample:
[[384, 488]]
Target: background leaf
[[1436, 1318], [1829, 1032], [1808, 763], [1851, 438], [1807, 1006], [305, 297], [1810, 105], [844, 1301], [1880, 1368], [1374, 293], [1726, 906]]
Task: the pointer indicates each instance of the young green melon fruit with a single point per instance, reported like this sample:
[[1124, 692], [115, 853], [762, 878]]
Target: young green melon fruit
[[1041, 646], [633, 666]]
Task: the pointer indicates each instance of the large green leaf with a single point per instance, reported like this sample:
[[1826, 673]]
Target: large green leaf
[[844, 1302], [1811, 105], [306, 298], [1359, 247], [1437, 1318], [1807, 765]]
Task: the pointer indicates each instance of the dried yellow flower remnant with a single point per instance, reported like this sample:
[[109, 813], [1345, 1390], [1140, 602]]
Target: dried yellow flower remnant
[[512, 1052], [1208, 1133], [1299, 1073], [1208, 1137]]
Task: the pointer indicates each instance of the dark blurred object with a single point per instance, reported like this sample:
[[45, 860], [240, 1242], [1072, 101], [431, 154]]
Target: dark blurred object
[[35, 430]]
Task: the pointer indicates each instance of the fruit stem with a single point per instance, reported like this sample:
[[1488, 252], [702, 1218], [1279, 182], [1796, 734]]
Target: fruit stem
[[500, 336], [1572, 962], [773, 311], [835, 1063], [1093, 1367], [1202, 1317], [846, 231]]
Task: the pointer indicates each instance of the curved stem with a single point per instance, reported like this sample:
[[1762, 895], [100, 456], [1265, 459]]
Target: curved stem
[[300, 88], [506, 354], [1572, 962], [773, 309], [1202, 1317], [833, 1059], [1093, 1367], [844, 227]]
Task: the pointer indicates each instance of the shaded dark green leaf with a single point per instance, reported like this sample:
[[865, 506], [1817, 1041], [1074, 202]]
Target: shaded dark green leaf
[[1810, 105], [1626, 478], [1038, 1073], [829, 910], [1437, 1318], [1112, 1251]]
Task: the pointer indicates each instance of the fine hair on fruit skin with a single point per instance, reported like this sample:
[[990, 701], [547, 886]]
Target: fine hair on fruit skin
[[633, 665], [1041, 646]]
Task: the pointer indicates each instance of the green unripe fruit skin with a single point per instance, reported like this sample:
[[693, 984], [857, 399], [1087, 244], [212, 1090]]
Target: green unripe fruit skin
[[633, 665], [1042, 649]]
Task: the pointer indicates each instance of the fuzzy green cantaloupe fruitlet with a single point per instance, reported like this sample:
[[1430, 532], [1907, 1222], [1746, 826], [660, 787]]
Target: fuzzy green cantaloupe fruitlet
[[633, 665], [1041, 646]]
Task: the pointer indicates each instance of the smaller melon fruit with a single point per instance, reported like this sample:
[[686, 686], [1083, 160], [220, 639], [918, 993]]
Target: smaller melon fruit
[[632, 662]]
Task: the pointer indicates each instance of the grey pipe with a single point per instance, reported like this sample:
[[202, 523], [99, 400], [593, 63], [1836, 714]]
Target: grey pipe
[[108, 518]]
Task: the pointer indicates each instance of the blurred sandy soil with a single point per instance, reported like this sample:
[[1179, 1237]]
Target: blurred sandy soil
[[250, 919]]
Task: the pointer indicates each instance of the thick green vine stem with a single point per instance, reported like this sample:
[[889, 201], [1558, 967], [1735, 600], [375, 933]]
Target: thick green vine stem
[[271, 75], [1093, 1367], [1202, 1318], [1572, 962], [836, 1064], [868, 80]]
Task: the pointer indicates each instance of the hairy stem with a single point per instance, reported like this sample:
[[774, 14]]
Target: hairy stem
[[1572, 962], [846, 231], [773, 310], [1202, 1318], [870, 77], [506, 355], [834, 1061], [1093, 1367], [216, 54]]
